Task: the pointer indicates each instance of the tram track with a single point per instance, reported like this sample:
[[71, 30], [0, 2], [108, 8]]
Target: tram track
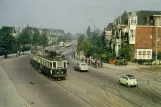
[[77, 95], [119, 91]]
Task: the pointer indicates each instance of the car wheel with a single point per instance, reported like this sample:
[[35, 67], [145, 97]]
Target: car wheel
[[119, 82], [128, 85]]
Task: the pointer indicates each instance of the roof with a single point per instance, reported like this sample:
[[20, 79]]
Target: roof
[[129, 75], [143, 16], [109, 27], [57, 58], [124, 18]]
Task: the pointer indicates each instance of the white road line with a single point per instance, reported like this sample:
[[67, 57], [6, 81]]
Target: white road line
[[14, 87], [25, 102], [66, 51]]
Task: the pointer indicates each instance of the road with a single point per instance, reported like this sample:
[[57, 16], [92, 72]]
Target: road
[[96, 88]]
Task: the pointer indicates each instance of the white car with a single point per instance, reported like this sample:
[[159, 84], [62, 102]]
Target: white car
[[81, 66], [128, 80]]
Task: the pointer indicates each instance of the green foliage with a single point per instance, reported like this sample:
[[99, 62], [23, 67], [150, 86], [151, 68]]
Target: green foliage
[[159, 55], [24, 38], [35, 39], [84, 45], [42, 39], [104, 57], [67, 37], [125, 52], [6, 43], [103, 39]]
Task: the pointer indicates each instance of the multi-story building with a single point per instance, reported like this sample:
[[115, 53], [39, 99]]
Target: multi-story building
[[108, 31], [140, 29]]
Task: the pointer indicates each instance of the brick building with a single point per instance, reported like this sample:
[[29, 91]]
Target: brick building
[[139, 29]]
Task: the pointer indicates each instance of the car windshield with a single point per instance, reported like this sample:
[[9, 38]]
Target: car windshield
[[131, 77]]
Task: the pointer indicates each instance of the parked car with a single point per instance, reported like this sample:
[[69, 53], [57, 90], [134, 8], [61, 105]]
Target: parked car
[[128, 80], [81, 66]]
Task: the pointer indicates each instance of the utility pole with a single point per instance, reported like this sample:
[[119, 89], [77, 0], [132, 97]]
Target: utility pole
[[94, 25], [156, 41]]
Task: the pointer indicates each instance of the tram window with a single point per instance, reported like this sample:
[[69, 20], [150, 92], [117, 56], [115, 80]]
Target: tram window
[[48, 64], [64, 64], [51, 65], [54, 64]]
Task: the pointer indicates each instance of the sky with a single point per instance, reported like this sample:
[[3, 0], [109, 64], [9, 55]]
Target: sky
[[72, 16]]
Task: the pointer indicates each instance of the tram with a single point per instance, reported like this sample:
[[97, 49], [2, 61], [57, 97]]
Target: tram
[[49, 62]]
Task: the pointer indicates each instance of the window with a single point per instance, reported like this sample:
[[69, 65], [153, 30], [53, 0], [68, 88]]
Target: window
[[149, 54], [64, 64], [50, 65], [144, 54], [140, 54], [132, 38], [133, 21], [54, 64]]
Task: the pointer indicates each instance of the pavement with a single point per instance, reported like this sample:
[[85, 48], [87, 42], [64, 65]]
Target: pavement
[[154, 84], [9, 97]]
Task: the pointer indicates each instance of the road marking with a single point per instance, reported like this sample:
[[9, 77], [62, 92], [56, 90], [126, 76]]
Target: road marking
[[66, 51], [25, 102], [14, 87]]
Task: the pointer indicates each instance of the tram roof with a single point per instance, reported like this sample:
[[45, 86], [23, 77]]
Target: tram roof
[[56, 58]]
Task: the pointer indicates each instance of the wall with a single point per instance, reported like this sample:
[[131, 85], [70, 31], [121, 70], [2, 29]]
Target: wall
[[146, 38]]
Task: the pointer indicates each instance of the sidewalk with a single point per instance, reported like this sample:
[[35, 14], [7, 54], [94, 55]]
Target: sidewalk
[[12, 55], [130, 66], [9, 97]]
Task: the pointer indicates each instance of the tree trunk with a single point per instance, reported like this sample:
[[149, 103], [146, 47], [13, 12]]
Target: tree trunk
[[6, 53]]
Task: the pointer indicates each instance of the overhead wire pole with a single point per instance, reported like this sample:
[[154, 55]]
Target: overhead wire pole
[[94, 29], [93, 24], [156, 41]]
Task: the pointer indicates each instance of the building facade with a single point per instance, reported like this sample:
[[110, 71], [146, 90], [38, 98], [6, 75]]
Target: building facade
[[140, 29]]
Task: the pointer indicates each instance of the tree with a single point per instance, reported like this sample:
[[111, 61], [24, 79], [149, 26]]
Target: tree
[[35, 39], [42, 39], [125, 52], [6, 43], [84, 45], [6, 40], [23, 39]]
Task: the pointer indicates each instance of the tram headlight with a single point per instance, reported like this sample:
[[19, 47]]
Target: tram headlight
[[51, 72]]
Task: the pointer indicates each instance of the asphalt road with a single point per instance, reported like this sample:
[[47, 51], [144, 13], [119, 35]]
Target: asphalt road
[[96, 88]]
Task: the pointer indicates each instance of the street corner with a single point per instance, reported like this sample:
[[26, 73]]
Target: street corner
[[158, 79], [155, 84]]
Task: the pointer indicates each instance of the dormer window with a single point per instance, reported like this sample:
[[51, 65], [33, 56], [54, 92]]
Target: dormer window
[[133, 21]]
